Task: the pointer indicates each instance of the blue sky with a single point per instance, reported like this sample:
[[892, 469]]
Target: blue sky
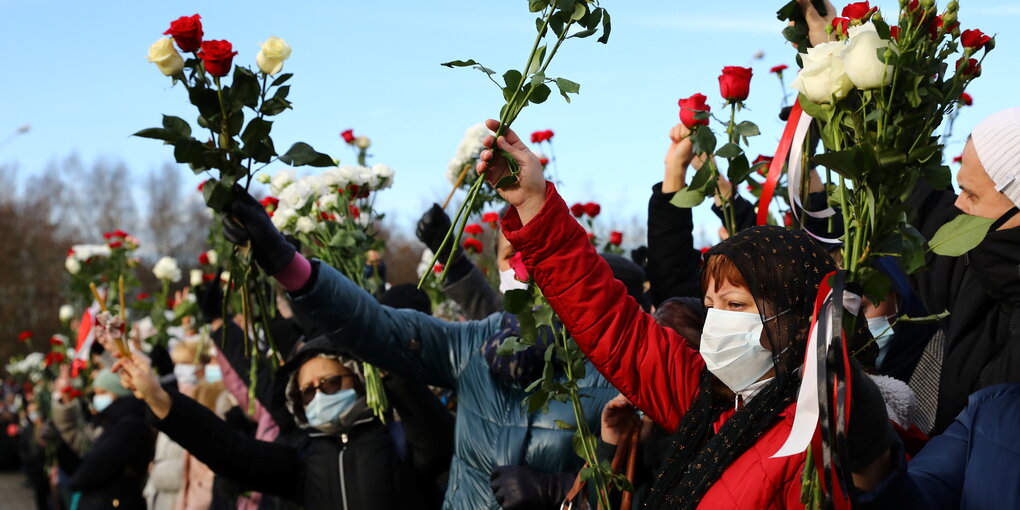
[[76, 72]]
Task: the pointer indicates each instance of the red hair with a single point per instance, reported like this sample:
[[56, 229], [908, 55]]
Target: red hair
[[721, 269]]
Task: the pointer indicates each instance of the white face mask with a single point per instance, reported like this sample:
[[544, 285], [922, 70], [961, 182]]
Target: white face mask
[[882, 332], [508, 282], [731, 347], [101, 401]]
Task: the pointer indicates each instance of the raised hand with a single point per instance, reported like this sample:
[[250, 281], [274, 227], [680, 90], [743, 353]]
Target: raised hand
[[136, 375], [528, 194], [817, 23], [246, 221]]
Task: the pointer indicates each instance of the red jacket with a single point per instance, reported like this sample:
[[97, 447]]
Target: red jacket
[[650, 364]]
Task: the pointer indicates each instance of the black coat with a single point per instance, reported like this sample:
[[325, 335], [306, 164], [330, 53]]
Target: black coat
[[673, 263], [113, 472], [357, 470], [981, 290]]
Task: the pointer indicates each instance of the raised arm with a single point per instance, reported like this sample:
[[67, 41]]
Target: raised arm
[[651, 365]]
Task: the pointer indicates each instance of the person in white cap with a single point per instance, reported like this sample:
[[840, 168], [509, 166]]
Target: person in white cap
[[978, 344]]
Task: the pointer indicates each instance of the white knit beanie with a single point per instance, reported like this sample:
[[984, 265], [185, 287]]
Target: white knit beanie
[[997, 141]]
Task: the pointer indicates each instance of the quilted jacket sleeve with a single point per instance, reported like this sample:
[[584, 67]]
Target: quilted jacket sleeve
[[650, 364], [405, 342]]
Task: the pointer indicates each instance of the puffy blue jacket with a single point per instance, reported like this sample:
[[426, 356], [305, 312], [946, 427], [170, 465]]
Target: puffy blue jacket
[[974, 464], [493, 429]]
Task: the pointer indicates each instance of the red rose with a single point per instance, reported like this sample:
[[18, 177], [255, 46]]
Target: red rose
[[764, 162], [592, 209], [70, 251], [106, 235], [958, 159], [894, 31], [762, 159], [208, 277], [473, 245], [974, 39], [692, 105], [735, 83], [348, 135], [490, 217], [536, 137], [354, 189], [616, 238], [187, 32], [54, 358], [968, 67], [912, 6], [788, 218], [936, 24], [966, 99], [473, 229], [355, 212], [217, 57], [548, 134], [577, 210], [270, 203], [203, 258], [120, 233], [779, 68], [56, 341], [520, 270], [857, 11], [142, 296], [841, 26], [116, 244], [543, 161], [438, 268], [202, 185]]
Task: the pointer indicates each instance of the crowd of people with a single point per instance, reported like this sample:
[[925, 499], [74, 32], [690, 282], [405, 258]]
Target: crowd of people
[[693, 364]]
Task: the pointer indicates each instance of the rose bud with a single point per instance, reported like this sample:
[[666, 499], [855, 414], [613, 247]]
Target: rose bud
[[218, 57], [735, 83], [690, 106], [187, 32], [270, 58], [165, 56]]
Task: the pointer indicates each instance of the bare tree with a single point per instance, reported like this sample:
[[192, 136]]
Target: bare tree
[[177, 222]]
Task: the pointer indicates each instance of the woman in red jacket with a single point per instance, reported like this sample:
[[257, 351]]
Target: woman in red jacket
[[759, 289]]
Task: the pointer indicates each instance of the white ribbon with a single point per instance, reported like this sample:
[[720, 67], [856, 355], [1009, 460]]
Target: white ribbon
[[794, 177]]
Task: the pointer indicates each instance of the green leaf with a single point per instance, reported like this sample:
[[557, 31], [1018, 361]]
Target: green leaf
[[539, 94], [155, 134], [816, 111], [537, 5], [847, 163], [189, 152], [960, 235], [583, 33], [274, 106], [177, 126], [580, 10], [537, 401], [459, 63], [302, 154], [244, 90], [738, 170], [217, 195], [516, 301], [511, 346], [564, 425], [701, 178], [748, 129], [704, 140], [938, 176], [255, 134], [687, 198], [567, 87], [281, 79], [729, 151], [607, 27]]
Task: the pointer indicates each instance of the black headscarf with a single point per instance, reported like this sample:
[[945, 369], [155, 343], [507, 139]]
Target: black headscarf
[[783, 269]]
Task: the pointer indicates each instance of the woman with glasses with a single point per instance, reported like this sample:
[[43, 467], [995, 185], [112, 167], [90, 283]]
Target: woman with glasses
[[345, 461]]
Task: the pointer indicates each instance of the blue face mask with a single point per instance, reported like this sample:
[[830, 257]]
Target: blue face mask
[[213, 374], [101, 401], [882, 332], [324, 410]]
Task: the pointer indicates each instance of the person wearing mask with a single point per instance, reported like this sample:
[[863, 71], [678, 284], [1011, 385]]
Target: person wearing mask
[[347, 460], [112, 473], [497, 444]]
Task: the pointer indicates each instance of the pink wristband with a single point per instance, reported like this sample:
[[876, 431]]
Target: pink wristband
[[296, 274]]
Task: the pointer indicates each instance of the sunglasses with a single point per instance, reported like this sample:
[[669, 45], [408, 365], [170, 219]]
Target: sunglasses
[[328, 386]]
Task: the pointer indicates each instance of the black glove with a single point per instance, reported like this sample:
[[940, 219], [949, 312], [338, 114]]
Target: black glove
[[246, 220], [209, 297], [870, 433], [432, 229], [521, 487]]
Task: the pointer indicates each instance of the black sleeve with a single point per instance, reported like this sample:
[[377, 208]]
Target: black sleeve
[[469, 288], [111, 453], [673, 263], [744, 215], [263, 466], [831, 227], [428, 425], [232, 347]]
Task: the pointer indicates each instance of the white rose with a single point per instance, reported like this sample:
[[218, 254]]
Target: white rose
[[225, 277], [212, 256], [281, 180], [384, 175], [282, 217], [333, 177], [860, 58], [166, 269], [363, 176], [270, 58], [196, 277], [823, 77], [66, 313], [305, 225], [72, 265], [362, 142], [296, 195], [165, 56], [347, 174], [328, 201]]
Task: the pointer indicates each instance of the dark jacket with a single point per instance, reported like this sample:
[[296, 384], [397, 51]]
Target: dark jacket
[[356, 469], [974, 464], [113, 472], [672, 259], [981, 290]]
